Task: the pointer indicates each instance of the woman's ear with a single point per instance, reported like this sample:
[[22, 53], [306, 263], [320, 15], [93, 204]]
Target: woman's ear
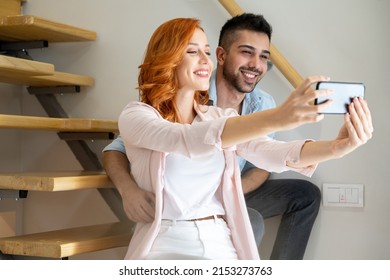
[[220, 55]]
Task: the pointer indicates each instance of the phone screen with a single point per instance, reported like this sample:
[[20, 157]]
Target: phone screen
[[343, 93]]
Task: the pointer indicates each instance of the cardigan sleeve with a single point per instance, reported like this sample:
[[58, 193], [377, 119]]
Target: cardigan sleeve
[[142, 126], [272, 155]]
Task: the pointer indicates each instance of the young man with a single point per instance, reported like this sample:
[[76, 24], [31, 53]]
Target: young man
[[242, 61]]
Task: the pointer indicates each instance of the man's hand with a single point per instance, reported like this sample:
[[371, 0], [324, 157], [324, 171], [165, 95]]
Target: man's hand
[[137, 203]]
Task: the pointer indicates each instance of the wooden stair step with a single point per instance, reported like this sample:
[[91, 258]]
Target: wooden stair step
[[19, 68], [59, 79], [32, 28], [21, 71], [68, 242], [55, 181], [55, 79], [58, 124]]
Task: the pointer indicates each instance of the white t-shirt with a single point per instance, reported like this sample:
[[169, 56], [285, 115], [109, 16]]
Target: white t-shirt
[[192, 186]]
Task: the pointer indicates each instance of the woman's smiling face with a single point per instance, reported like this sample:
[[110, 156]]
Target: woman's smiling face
[[194, 70]]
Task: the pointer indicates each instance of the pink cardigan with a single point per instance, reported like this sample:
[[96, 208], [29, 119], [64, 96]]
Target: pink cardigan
[[140, 125]]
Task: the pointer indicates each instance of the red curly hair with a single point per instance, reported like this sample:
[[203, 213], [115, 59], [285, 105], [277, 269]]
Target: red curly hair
[[157, 80]]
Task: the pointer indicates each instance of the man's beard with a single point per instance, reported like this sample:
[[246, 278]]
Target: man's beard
[[237, 82]]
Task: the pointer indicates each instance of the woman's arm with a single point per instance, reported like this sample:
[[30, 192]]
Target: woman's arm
[[142, 127], [356, 131], [303, 156], [298, 109]]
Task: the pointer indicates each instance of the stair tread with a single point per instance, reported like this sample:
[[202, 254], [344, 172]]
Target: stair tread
[[32, 28], [12, 66], [58, 124], [54, 79], [55, 181], [21, 71], [69, 242]]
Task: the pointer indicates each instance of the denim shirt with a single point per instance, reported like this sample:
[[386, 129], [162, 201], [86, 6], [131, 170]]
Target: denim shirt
[[254, 101]]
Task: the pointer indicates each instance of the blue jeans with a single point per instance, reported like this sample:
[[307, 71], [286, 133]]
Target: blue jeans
[[298, 201]]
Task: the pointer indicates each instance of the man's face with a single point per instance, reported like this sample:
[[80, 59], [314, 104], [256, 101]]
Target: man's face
[[245, 64]]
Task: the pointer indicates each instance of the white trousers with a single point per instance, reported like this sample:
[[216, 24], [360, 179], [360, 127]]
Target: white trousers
[[208, 239]]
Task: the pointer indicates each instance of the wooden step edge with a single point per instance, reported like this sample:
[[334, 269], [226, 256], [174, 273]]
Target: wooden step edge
[[59, 79], [30, 28], [50, 80], [69, 242], [55, 181], [18, 67], [34, 73], [58, 124]]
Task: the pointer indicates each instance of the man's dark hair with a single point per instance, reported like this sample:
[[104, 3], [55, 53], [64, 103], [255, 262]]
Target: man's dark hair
[[245, 21]]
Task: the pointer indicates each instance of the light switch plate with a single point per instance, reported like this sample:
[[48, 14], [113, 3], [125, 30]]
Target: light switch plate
[[343, 195]]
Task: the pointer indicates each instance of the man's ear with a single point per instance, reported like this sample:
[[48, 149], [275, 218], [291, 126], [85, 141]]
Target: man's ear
[[220, 55]]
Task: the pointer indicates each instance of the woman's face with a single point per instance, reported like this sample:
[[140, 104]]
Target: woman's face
[[195, 69]]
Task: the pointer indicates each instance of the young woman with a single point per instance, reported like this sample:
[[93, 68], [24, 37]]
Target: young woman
[[185, 151]]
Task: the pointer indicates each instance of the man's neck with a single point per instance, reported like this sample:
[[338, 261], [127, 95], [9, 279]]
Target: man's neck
[[227, 97]]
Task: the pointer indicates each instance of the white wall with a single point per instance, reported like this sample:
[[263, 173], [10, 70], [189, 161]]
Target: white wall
[[347, 40]]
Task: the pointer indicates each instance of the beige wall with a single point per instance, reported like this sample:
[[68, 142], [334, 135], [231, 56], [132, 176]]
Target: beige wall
[[347, 40]]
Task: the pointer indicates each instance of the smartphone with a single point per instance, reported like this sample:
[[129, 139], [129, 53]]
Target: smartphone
[[343, 93]]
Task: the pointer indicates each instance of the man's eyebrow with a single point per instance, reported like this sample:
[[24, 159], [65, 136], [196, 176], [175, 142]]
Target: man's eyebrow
[[266, 51], [253, 48]]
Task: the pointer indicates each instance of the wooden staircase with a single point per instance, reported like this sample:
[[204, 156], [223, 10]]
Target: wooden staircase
[[61, 244], [44, 81]]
